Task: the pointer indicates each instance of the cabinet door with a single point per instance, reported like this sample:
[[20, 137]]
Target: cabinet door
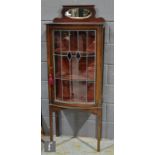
[[74, 57]]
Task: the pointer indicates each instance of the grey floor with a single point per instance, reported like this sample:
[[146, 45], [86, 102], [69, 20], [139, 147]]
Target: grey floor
[[66, 145]]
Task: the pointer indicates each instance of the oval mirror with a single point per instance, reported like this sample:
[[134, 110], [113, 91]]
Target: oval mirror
[[78, 13]]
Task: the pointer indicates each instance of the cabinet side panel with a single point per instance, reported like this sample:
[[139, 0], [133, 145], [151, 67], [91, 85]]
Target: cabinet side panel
[[103, 40], [99, 65], [50, 61]]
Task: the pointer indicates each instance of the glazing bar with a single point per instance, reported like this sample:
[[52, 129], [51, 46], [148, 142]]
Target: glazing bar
[[95, 68], [87, 67], [77, 66], [53, 36], [61, 65], [70, 69]]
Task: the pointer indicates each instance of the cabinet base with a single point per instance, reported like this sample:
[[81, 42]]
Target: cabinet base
[[94, 110]]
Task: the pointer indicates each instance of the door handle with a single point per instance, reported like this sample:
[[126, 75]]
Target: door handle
[[51, 80]]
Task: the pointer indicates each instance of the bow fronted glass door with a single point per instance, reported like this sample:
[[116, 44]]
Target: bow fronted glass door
[[74, 66]]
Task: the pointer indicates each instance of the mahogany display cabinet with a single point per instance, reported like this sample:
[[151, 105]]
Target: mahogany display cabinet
[[75, 46]]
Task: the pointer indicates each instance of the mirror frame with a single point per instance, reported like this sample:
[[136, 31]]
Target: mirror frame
[[75, 13], [88, 7]]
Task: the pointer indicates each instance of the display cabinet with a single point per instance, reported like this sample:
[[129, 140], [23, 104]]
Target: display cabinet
[[75, 44]]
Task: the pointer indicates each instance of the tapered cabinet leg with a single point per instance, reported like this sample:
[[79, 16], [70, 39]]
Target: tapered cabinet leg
[[99, 129], [51, 126], [57, 123]]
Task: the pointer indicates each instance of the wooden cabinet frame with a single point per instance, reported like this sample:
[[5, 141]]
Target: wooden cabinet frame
[[96, 108]]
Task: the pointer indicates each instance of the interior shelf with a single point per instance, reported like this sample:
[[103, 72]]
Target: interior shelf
[[68, 101], [74, 78]]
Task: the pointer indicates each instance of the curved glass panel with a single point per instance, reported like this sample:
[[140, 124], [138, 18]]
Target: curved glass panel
[[75, 66]]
